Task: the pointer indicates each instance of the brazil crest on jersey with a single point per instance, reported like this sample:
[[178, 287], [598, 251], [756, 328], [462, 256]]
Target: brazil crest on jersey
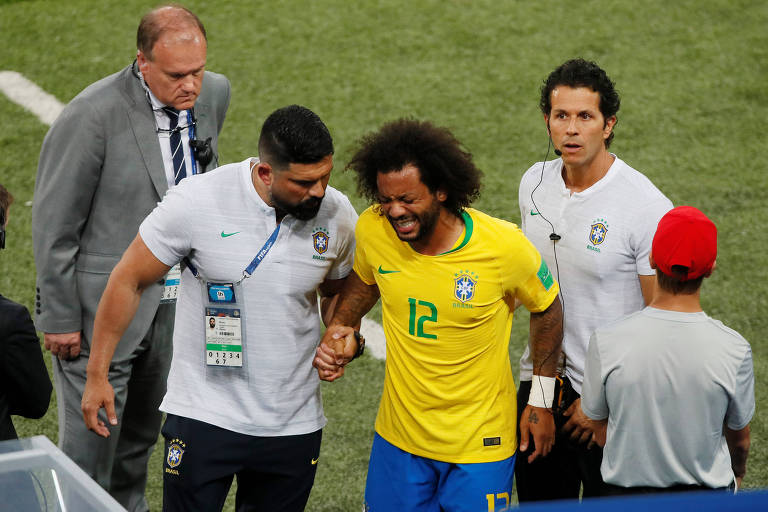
[[448, 392]]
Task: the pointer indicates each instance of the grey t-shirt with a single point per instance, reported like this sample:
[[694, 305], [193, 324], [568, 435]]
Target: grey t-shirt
[[668, 382]]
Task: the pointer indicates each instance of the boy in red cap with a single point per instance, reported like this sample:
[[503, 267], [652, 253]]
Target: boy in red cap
[[674, 387]]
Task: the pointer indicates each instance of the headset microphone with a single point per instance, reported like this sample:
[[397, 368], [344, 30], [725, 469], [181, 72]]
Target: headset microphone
[[552, 236]]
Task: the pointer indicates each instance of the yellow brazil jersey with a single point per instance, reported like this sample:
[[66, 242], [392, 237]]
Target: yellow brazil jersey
[[449, 393]]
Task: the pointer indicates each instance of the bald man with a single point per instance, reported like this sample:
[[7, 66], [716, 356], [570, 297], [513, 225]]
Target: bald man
[[104, 165]]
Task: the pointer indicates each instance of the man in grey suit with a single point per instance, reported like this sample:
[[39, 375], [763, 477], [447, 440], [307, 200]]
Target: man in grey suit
[[105, 163]]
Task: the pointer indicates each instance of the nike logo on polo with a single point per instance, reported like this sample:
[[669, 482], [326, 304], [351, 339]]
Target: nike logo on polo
[[534, 213], [225, 235], [314, 461], [382, 271]]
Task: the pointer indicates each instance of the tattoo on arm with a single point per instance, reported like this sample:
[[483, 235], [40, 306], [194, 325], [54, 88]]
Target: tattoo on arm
[[546, 339], [533, 418], [356, 299]]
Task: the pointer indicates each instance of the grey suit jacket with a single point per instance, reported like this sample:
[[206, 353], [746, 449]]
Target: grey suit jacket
[[100, 173]]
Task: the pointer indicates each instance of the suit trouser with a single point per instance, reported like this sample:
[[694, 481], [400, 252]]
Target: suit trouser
[[560, 474], [119, 462]]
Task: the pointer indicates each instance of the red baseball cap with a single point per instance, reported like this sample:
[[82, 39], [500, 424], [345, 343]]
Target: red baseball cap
[[685, 237]]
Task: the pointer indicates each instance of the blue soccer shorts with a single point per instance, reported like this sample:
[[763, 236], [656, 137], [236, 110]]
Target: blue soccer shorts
[[398, 480]]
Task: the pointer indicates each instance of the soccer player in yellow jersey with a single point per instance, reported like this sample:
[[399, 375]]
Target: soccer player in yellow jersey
[[449, 277]]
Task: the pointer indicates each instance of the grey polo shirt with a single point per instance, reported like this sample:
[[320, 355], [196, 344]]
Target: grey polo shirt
[[668, 382]]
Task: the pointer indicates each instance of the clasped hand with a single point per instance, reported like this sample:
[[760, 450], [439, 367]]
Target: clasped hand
[[336, 349]]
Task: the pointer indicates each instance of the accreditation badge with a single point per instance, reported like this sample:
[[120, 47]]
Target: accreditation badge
[[224, 324], [171, 285]]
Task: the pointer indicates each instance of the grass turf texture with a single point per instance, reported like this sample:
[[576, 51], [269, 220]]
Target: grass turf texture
[[692, 77]]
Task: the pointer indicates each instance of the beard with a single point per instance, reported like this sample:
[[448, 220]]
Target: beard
[[427, 221], [303, 210]]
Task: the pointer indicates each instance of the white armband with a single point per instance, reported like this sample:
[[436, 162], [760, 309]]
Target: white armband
[[542, 392]]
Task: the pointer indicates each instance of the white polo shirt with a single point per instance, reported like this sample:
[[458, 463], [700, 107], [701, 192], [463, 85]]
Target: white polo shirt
[[220, 221], [606, 234]]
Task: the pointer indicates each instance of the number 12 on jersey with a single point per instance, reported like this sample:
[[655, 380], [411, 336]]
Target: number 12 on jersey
[[416, 326]]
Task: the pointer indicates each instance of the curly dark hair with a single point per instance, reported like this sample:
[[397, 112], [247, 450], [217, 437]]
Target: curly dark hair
[[581, 73], [294, 135], [438, 155]]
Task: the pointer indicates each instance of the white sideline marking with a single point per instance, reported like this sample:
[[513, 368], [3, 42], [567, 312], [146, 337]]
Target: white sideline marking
[[47, 108], [374, 338], [27, 94]]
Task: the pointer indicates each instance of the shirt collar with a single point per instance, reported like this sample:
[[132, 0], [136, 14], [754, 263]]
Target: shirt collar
[[612, 172]]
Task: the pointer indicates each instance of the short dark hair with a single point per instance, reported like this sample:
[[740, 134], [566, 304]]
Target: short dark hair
[[441, 160], [674, 283], [581, 73], [158, 20], [294, 134]]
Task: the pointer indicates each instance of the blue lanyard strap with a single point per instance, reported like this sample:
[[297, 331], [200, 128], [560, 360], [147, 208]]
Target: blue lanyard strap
[[262, 253], [256, 261], [191, 134]]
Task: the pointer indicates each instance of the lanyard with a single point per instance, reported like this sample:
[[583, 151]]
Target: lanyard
[[191, 134], [256, 260]]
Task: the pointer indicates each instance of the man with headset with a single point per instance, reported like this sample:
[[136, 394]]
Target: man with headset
[[592, 217], [105, 163]]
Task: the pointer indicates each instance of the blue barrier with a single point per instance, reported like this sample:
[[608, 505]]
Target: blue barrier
[[703, 501]]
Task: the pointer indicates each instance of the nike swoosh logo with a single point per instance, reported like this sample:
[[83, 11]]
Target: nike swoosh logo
[[382, 271], [314, 461], [225, 235], [534, 213]]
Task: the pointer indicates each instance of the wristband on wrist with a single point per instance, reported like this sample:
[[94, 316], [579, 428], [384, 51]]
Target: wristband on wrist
[[542, 392], [360, 345]]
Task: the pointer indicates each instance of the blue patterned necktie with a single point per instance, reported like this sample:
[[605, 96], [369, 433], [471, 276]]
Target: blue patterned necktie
[[177, 152]]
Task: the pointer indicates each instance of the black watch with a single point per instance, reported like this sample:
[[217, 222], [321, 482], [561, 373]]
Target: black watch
[[360, 345]]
